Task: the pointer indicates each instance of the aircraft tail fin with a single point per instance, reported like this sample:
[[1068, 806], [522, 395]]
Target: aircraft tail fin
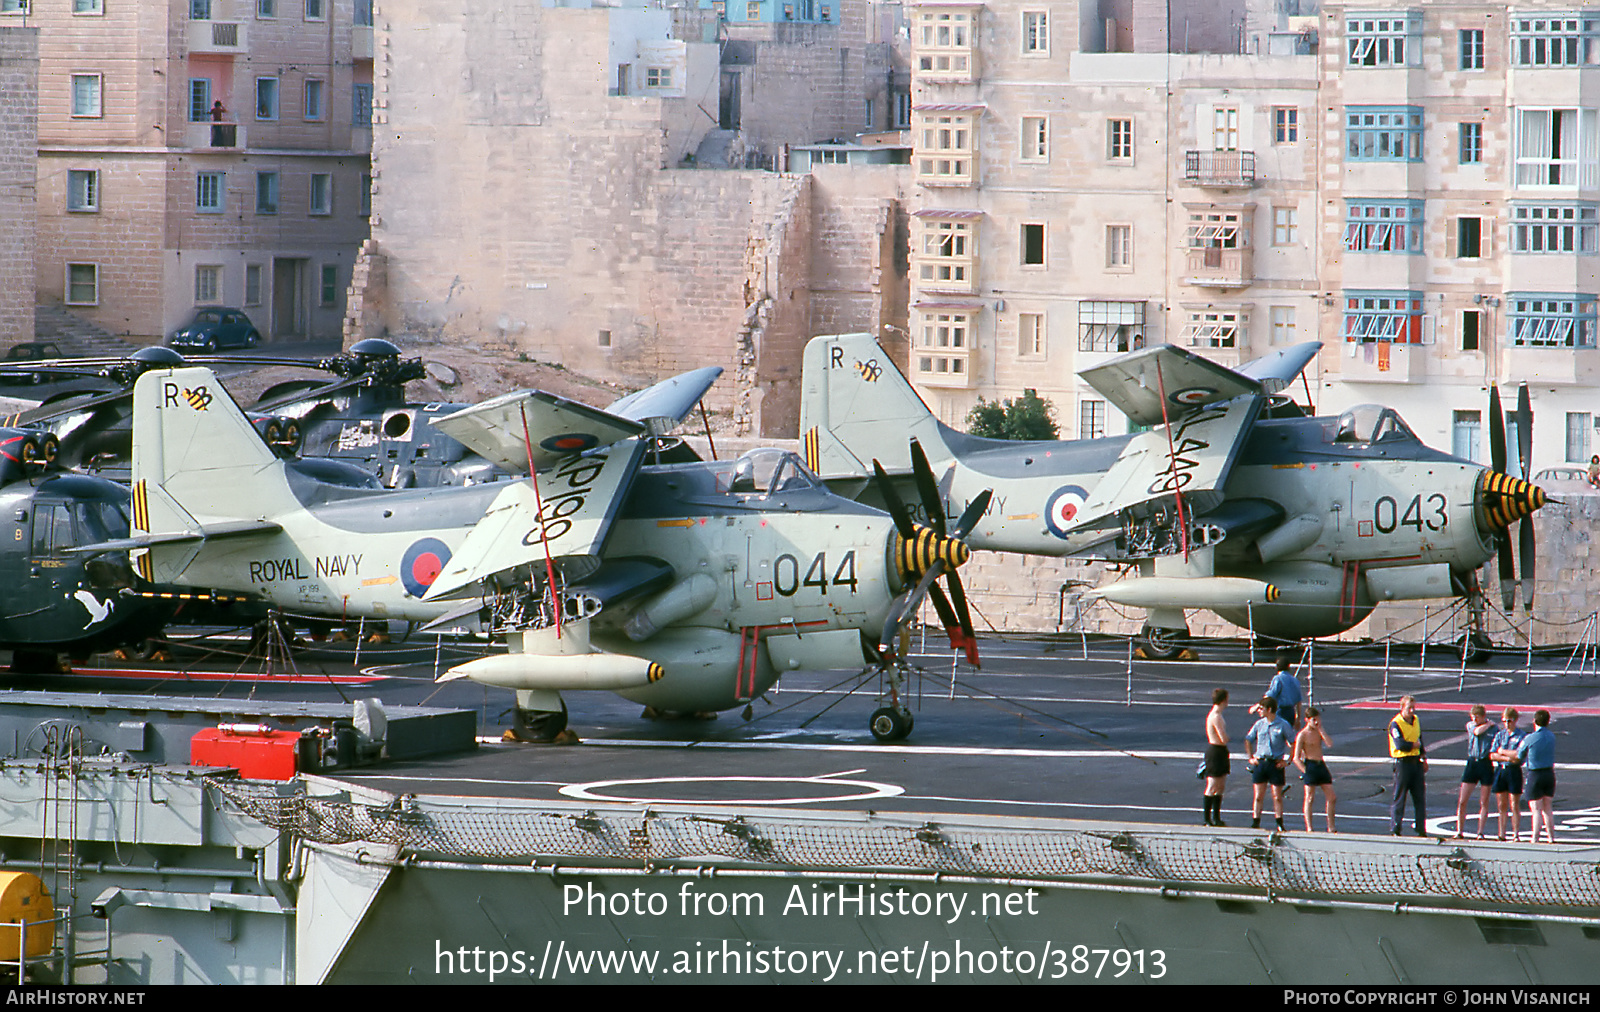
[[199, 467], [856, 407]]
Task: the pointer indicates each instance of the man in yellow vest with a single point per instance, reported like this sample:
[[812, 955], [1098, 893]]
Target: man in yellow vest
[[1410, 766]]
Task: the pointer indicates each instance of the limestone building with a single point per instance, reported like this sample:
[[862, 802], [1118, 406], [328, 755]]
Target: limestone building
[[19, 112]]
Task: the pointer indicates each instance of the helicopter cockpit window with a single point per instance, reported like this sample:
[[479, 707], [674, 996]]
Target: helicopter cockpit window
[[100, 521], [1371, 423], [52, 529], [764, 472]]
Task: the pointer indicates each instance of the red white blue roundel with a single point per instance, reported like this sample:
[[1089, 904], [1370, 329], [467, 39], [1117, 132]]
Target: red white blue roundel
[[1193, 395], [1061, 511], [422, 564], [570, 442]]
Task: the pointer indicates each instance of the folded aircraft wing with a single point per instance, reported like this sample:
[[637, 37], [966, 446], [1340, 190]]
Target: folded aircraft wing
[[1276, 370], [580, 497], [663, 406], [1193, 462], [555, 428], [1136, 381]]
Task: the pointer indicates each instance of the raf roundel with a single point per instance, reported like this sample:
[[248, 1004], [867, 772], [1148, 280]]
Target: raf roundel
[[422, 564], [1061, 511], [1193, 396], [569, 442]]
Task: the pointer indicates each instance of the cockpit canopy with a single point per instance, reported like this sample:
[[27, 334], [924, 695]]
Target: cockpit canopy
[[1365, 424], [765, 471]]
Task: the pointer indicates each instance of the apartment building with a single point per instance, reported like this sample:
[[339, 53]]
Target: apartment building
[[1415, 186], [19, 73], [201, 152]]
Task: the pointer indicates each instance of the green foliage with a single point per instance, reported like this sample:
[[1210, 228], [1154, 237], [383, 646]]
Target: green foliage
[[1027, 417]]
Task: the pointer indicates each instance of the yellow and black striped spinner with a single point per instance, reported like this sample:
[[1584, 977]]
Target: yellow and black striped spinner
[[1273, 593], [1505, 500], [655, 672], [914, 557]]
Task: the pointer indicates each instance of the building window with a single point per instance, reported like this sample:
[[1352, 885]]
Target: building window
[[266, 193], [827, 14], [266, 8], [207, 285], [199, 99], [321, 193], [942, 347], [1471, 329], [1119, 140], [1215, 230], [788, 12], [1383, 226], [361, 105], [752, 11], [1035, 32], [328, 293], [944, 258], [1282, 318], [1469, 238], [88, 7], [1225, 128], [1030, 335], [658, 77], [314, 93], [1119, 247], [1471, 152], [1579, 425], [363, 14], [314, 11], [1035, 139], [1561, 41], [902, 110], [199, 10], [1033, 245], [946, 149], [1383, 41], [1383, 133], [208, 191], [1554, 228], [85, 96], [1471, 48], [1215, 328], [1466, 434], [83, 284], [1539, 320], [83, 189], [1285, 226], [1383, 317], [252, 284], [366, 195], [14, 7], [1110, 326], [1557, 147], [266, 98], [1091, 418], [1285, 125], [944, 43]]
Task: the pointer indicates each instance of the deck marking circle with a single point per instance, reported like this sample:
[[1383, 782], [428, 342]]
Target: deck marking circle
[[1062, 507], [422, 564], [865, 790]]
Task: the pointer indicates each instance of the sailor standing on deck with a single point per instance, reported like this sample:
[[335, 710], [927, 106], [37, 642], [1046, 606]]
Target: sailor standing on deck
[[1268, 743], [1410, 767]]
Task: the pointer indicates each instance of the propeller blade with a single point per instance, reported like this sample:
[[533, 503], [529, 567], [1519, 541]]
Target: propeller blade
[[947, 615], [969, 638], [905, 605], [927, 488], [891, 501], [1525, 432], [1526, 561], [1508, 576], [973, 513], [1497, 432]]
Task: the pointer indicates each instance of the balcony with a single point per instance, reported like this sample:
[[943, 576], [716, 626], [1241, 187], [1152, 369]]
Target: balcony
[[229, 38], [942, 367], [1550, 366], [1224, 169], [218, 136], [1211, 267], [1386, 362]]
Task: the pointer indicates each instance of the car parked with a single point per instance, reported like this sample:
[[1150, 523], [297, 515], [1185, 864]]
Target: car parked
[[26, 353], [216, 329]]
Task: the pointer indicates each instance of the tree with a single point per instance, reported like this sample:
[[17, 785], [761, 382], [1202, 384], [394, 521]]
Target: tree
[[1027, 417]]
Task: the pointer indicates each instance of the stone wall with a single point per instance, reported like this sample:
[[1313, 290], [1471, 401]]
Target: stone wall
[[19, 141]]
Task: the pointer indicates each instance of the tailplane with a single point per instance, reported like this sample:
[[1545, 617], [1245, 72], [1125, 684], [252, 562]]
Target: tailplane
[[856, 407]]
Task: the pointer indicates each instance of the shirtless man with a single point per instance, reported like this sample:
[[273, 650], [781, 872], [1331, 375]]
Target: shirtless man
[[1216, 757], [1313, 770]]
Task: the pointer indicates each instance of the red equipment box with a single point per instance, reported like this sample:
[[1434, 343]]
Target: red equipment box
[[258, 753]]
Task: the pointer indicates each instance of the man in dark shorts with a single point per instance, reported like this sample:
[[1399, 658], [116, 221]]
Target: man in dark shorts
[[1538, 755], [1268, 743], [1216, 758], [1479, 771], [1507, 771], [1313, 768]]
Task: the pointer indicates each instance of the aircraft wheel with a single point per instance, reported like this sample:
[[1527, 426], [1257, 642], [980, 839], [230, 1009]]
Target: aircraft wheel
[[540, 725], [1160, 643], [889, 724], [1474, 647]]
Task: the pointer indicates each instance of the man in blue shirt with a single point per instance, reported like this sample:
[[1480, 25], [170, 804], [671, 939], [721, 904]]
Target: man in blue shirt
[[1537, 754], [1268, 746], [1284, 690], [1507, 772]]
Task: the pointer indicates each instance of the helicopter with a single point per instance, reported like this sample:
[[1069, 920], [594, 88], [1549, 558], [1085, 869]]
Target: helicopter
[[687, 587], [1232, 500]]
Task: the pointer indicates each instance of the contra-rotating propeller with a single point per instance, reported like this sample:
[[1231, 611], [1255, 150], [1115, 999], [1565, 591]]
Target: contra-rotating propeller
[[1508, 500], [922, 554]]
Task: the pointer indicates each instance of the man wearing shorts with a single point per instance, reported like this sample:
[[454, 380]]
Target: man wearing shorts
[[1216, 757], [1268, 743], [1313, 769], [1507, 771], [1538, 755], [1479, 771]]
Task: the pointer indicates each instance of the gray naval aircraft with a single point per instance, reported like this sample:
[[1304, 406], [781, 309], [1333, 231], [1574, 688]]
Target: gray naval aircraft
[[685, 587], [1232, 500]]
